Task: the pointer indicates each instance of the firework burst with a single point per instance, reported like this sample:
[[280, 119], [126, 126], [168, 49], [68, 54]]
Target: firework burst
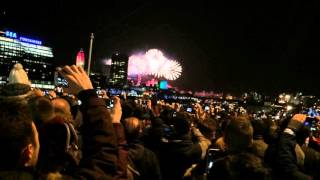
[[153, 62]]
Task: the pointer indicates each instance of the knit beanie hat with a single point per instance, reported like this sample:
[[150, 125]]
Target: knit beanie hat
[[18, 88], [18, 75]]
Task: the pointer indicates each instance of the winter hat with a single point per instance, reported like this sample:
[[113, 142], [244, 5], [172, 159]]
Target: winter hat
[[18, 75], [19, 86]]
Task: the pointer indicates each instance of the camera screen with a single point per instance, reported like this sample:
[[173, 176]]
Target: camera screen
[[110, 103], [174, 114], [312, 124], [59, 80], [79, 102], [99, 93], [46, 92], [213, 154], [312, 113]]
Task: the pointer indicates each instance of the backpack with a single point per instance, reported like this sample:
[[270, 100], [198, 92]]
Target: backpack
[[72, 146]]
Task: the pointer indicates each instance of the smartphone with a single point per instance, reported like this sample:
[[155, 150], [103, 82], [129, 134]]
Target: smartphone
[[207, 108], [109, 103], [46, 92], [312, 113], [189, 109], [168, 131], [59, 89], [59, 80], [311, 123], [144, 103], [212, 156], [136, 101], [174, 114], [98, 92]]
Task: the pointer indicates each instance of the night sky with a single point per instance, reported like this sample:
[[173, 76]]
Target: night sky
[[268, 46]]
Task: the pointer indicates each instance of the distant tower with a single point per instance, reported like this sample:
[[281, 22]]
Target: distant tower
[[80, 58], [119, 70]]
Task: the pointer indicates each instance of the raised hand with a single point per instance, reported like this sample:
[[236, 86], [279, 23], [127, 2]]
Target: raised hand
[[116, 112], [77, 78]]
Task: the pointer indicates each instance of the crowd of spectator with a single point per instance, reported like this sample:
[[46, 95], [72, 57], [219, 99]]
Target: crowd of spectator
[[78, 135]]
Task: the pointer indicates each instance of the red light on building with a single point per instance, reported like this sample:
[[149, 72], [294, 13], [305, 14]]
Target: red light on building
[[80, 58]]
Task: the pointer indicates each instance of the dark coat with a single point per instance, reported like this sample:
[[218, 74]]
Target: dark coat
[[281, 156], [144, 162], [99, 150], [177, 156], [122, 152], [312, 162]]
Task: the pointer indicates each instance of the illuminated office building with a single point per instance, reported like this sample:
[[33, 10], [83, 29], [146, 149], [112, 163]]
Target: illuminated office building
[[119, 70], [36, 59]]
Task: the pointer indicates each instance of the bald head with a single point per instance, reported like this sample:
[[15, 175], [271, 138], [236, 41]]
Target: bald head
[[132, 128], [61, 105]]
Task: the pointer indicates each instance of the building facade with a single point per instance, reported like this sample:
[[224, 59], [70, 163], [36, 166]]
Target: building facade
[[119, 70], [36, 59]]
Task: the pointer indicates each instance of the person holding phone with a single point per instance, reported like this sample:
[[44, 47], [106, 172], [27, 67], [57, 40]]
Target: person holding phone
[[100, 146], [288, 157]]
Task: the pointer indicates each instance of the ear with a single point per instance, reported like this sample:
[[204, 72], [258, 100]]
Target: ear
[[27, 154]]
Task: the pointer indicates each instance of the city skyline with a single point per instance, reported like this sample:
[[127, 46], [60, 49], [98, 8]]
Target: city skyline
[[222, 47]]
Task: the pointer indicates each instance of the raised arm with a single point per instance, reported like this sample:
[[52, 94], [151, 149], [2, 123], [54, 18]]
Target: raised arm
[[99, 140]]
